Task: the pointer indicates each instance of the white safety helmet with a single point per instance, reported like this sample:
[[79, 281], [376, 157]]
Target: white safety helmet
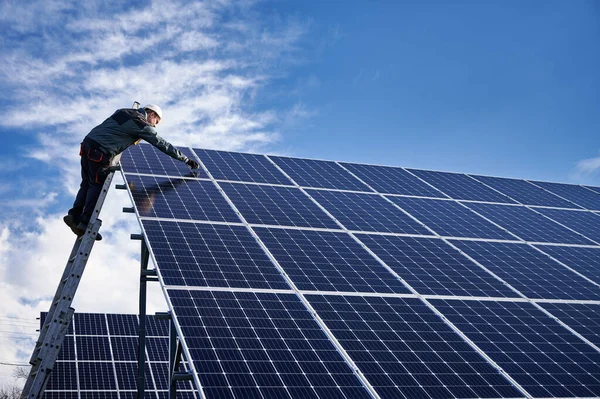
[[156, 109]]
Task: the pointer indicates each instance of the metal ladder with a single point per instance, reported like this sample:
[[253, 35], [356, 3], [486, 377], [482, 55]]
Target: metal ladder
[[60, 315]]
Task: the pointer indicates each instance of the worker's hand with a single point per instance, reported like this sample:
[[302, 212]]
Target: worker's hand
[[192, 164]]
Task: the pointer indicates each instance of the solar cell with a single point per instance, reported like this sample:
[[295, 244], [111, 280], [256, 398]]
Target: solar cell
[[121, 324], [450, 218], [210, 255], [432, 267], [274, 205], [579, 195], [367, 212], [581, 317], [524, 192], [179, 198], [125, 348], [260, 345], [584, 222], [542, 356], [527, 224], [236, 166], [91, 324], [390, 180], [323, 174], [97, 348], [96, 375], [145, 158], [327, 261], [63, 377], [534, 274], [460, 186], [406, 351], [582, 259], [593, 188]]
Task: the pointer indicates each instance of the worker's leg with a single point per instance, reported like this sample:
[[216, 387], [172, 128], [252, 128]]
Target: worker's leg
[[83, 188], [97, 162]]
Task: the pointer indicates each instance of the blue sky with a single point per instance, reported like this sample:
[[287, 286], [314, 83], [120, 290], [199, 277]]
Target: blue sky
[[504, 88]]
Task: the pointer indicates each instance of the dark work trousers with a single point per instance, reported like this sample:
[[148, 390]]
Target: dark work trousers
[[94, 164]]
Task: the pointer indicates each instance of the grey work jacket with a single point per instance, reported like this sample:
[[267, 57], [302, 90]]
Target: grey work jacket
[[124, 128]]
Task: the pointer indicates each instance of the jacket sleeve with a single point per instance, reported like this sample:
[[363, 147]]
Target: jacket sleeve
[[149, 134]]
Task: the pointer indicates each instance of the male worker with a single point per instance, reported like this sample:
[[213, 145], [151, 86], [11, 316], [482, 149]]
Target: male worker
[[124, 128]]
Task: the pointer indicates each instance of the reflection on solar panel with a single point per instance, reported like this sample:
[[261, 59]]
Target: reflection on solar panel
[[525, 192], [102, 360], [321, 287], [531, 272], [385, 179], [449, 218], [313, 173], [579, 195], [535, 350], [224, 165], [459, 186], [367, 212], [527, 224]]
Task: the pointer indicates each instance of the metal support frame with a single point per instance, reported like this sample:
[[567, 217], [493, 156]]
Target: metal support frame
[[60, 314]]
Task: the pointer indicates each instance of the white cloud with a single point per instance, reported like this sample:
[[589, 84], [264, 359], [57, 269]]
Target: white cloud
[[66, 67]]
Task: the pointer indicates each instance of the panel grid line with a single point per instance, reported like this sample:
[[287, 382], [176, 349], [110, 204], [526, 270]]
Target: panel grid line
[[112, 356], [430, 306]]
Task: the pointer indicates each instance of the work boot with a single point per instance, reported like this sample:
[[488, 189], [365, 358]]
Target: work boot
[[82, 227], [71, 221]]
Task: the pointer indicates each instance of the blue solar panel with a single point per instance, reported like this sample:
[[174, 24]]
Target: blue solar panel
[[524, 192], [63, 377], [579, 195], [582, 259], [406, 351], [584, 318], [121, 324], [209, 255], [179, 198], [274, 205], [91, 324], [593, 188], [321, 174], [460, 186], [326, 261], [235, 166], [125, 348], [584, 222], [97, 348], [527, 224], [432, 267], [260, 345], [385, 179], [450, 218], [367, 212], [531, 272], [145, 158], [541, 355]]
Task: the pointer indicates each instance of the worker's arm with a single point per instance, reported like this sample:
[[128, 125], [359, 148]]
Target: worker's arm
[[149, 134]]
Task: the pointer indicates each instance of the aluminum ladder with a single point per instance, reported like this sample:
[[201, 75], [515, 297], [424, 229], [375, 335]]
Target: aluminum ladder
[[60, 315]]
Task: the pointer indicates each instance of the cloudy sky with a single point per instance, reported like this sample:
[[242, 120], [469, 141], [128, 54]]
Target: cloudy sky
[[505, 88]]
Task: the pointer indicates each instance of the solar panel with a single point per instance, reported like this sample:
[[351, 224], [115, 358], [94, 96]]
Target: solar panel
[[460, 186], [101, 360], [584, 222], [224, 165], [274, 205], [432, 267], [541, 355], [327, 261], [313, 173], [145, 158], [531, 272], [527, 224], [579, 195], [179, 198], [385, 179], [525, 192], [450, 218], [367, 212], [322, 287]]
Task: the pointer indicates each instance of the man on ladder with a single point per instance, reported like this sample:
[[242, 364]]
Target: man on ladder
[[104, 142]]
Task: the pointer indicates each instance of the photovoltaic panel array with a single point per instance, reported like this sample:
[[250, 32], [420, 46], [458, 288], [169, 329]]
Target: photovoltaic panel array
[[300, 278], [99, 359]]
